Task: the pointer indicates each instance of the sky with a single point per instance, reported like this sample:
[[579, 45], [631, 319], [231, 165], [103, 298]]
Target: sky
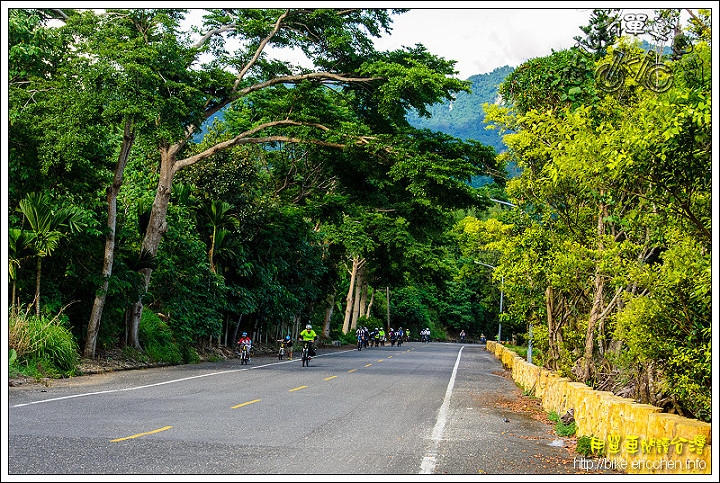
[[479, 36], [483, 39], [482, 36]]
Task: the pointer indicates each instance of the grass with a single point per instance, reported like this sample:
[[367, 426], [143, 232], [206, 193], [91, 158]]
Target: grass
[[561, 428]]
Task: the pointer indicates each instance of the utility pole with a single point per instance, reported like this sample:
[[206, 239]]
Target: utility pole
[[502, 286], [387, 289], [529, 353]]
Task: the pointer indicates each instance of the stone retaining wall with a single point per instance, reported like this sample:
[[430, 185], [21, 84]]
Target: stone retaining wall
[[636, 438]]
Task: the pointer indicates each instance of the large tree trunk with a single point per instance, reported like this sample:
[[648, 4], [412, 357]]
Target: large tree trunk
[[370, 304], [157, 226], [37, 285], [358, 297], [328, 314], [363, 298], [357, 262], [597, 306], [109, 254], [553, 330]]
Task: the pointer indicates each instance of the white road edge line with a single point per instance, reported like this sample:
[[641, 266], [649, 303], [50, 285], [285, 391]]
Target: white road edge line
[[134, 388], [427, 467]]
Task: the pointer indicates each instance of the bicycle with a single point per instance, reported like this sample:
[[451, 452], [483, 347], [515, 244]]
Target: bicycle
[[284, 350], [306, 357], [244, 355]]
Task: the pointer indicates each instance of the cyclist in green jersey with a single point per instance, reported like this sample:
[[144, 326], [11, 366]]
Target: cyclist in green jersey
[[308, 335]]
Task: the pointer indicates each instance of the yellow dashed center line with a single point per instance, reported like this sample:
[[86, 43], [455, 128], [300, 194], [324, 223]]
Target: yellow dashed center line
[[246, 403], [140, 434], [238, 405]]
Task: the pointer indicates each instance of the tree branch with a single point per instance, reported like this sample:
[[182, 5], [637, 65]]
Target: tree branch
[[260, 48], [245, 138]]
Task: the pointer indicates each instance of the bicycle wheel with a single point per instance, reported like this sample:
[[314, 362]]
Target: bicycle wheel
[[305, 357], [281, 353]]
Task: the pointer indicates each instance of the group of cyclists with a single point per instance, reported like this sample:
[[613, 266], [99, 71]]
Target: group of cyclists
[[306, 336], [365, 338], [377, 337]]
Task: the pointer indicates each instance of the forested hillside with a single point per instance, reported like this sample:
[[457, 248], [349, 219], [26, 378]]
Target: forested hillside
[[463, 117]]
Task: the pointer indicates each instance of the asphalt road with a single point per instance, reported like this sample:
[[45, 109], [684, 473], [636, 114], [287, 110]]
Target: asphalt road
[[420, 409]]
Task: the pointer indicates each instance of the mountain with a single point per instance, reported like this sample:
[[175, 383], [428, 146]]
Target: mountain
[[463, 118]]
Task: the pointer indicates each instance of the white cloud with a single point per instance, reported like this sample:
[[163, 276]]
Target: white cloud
[[482, 39]]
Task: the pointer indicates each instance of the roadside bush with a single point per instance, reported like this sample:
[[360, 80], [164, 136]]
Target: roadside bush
[[13, 367], [43, 347], [584, 446], [157, 339]]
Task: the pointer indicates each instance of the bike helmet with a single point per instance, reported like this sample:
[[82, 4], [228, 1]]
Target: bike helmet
[[244, 334], [287, 337], [308, 327]]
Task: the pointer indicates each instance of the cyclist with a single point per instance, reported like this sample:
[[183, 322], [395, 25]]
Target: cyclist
[[308, 335], [359, 337], [376, 337], [288, 345], [245, 340]]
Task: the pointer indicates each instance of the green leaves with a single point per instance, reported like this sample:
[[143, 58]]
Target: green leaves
[[48, 225]]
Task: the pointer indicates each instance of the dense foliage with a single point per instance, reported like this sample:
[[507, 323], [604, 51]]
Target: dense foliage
[[607, 258], [170, 226]]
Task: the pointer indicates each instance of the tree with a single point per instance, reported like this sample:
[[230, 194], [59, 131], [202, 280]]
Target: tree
[[18, 241], [47, 227], [617, 192], [602, 32], [394, 79]]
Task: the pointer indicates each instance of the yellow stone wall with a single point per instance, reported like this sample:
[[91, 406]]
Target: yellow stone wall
[[638, 438]]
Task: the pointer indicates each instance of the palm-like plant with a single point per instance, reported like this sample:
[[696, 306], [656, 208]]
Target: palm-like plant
[[18, 241], [219, 215], [47, 228]]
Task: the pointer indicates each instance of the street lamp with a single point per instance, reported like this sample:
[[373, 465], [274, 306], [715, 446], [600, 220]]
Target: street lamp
[[529, 352], [504, 202], [502, 284]]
